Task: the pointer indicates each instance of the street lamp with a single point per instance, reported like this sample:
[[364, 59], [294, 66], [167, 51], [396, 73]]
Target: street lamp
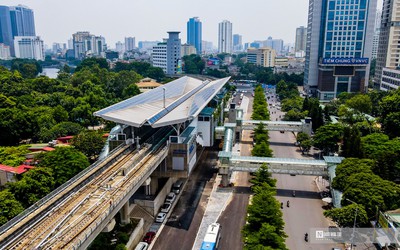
[[354, 225]]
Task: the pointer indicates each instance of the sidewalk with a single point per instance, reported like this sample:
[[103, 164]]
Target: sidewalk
[[216, 205]]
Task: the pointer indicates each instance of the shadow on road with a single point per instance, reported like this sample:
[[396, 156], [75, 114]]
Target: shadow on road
[[242, 190], [299, 193], [285, 144]]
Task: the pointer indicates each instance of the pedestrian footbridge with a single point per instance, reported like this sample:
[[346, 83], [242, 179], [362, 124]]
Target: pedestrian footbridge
[[276, 125]]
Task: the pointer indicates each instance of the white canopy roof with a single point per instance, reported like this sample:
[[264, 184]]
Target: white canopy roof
[[184, 100]]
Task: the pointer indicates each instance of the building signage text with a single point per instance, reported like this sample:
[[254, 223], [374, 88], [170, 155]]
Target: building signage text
[[345, 60]]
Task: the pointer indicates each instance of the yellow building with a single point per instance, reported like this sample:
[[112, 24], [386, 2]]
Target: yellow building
[[263, 57]]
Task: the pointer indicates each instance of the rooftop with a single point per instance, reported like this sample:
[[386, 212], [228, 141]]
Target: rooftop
[[173, 103]]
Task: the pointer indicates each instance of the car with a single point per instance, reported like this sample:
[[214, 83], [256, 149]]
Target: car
[[176, 188], [161, 217], [149, 237], [170, 197], [142, 246], [166, 207]]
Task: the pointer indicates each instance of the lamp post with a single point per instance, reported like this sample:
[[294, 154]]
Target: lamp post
[[354, 225]]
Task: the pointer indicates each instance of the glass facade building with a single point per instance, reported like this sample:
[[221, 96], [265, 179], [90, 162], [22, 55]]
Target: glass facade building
[[339, 46], [22, 21], [194, 34], [5, 26]]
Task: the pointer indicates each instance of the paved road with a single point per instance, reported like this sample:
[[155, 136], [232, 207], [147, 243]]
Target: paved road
[[305, 211], [233, 218], [190, 207]]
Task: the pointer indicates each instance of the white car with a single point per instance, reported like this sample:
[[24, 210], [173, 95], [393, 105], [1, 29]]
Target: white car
[[161, 217], [170, 197], [166, 207]]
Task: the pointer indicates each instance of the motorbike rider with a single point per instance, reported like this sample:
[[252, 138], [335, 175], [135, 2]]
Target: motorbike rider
[[287, 203]]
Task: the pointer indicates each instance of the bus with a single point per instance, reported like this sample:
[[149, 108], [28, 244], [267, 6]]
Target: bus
[[212, 237]]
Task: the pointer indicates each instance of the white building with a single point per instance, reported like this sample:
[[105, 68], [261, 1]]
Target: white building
[[167, 55], [4, 52], [30, 47], [375, 41], [120, 47], [159, 56], [225, 43]]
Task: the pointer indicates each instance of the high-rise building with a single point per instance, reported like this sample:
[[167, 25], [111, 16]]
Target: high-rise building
[[30, 47], [339, 44], [130, 43], [87, 45], [276, 44], [387, 61], [147, 45], [301, 39], [237, 43], [262, 57], [5, 27], [375, 41], [166, 55], [187, 50], [207, 47], [22, 21], [194, 34], [120, 47], [225, 37]]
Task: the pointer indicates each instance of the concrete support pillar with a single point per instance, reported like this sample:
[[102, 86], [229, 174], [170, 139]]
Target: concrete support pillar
[[224, 172], [125, 219], [153, 185]]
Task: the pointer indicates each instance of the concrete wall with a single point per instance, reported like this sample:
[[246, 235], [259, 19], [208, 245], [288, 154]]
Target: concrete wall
[[136, 236], [153, 206]]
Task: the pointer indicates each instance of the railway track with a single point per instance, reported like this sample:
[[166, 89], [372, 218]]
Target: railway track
[[61, 220]]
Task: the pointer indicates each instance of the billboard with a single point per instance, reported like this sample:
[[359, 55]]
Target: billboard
[[342, 60]]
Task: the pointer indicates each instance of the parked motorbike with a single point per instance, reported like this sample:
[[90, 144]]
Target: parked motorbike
[[306, 237]]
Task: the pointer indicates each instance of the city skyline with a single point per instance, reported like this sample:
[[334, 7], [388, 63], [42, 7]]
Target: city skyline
[[57, 23]]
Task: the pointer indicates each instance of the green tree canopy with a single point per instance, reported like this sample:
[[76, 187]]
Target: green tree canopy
[[344, 217], [65, 163], [90, 143], [327, 137], [348, 167], [34, 185], [9, 206]]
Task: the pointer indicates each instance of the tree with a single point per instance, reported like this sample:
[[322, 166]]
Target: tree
[[262, 150], [266, 238], [264, 209], [65, 163], [361, 103], [372, 192], [390, 109], [327, 137], [9, 206], [344, 217], [61, 129], [13, 156], [34, 185], [91, 62], [90, 143], [348, 167], [351, 142], [263, 176]]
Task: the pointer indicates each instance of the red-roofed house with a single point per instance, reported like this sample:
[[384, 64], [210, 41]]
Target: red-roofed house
[[8, 174], [65, 139]]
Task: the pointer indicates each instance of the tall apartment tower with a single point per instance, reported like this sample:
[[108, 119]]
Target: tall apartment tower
[[339, 46], [130, 43], [87, 45], [225, 37], [22, 21], [237, 42], [166, 55], [387, 61], [276, 44], [377, 31], [194, 34], [301, 39]]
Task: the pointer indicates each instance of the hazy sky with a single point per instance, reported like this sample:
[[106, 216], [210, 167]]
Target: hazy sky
[[57, 20]]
